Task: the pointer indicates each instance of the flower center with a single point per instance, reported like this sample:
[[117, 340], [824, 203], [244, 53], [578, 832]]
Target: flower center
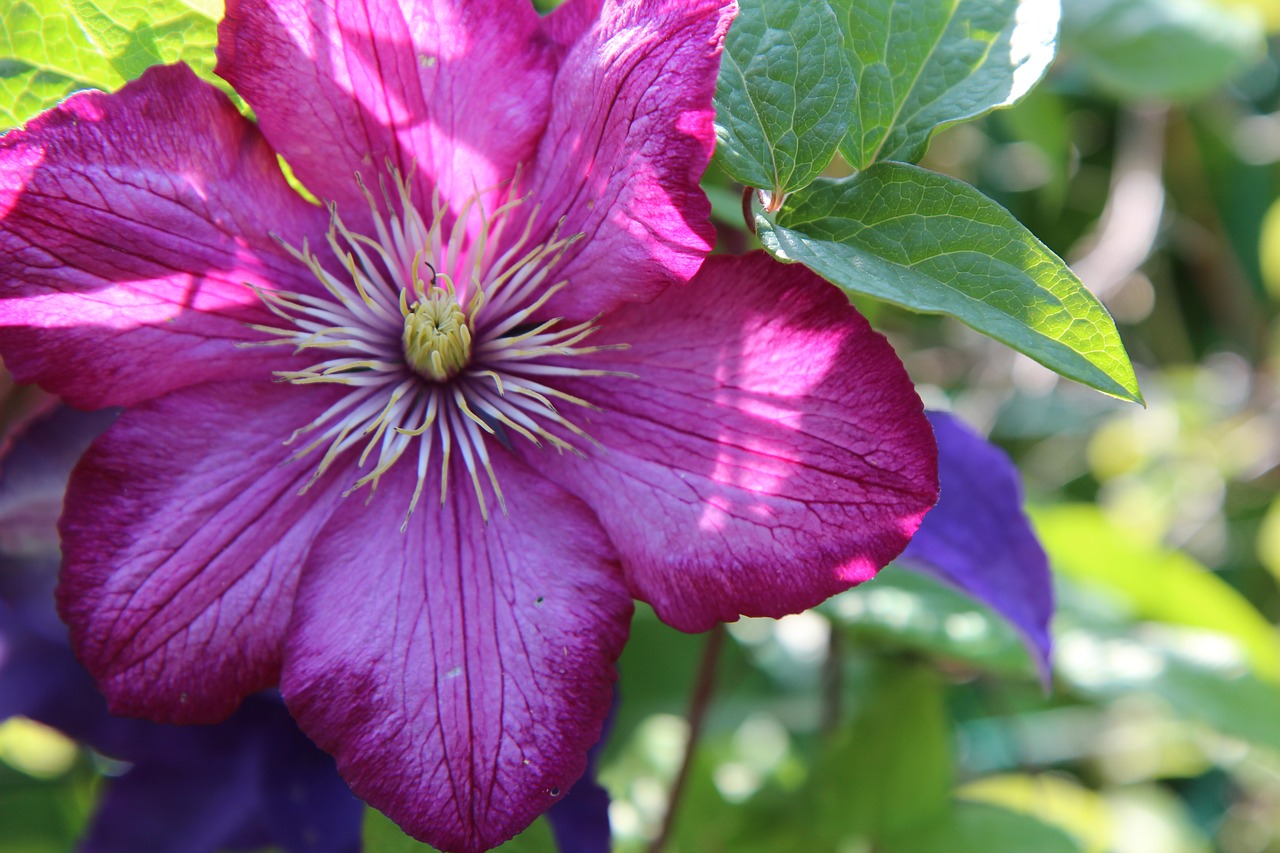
[[441, 366], [437, 339]]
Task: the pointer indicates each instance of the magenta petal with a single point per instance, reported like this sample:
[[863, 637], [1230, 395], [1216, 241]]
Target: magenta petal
[[629, 138], [183, 536], [130, 225], [979, 539], [459, 672], [454, 89], [770, 452]]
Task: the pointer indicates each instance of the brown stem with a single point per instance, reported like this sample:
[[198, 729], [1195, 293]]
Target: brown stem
[[747, 214], [698, 704]]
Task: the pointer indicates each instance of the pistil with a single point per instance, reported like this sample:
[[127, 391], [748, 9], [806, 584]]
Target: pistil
[[436, 338]]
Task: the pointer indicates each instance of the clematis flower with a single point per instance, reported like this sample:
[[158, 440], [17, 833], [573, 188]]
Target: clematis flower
[[411, 454]]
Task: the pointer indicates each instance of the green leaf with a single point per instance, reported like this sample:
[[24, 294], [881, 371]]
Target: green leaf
[[1161, 49], [1233, 703], [77, 44], [25, 91], [885, 773], [991, 829], [931, 243], [782, 98], [1155, 583], [923, 64], [894, 768], [381, 834], [1194, 671], [44, 815], [904, 610]]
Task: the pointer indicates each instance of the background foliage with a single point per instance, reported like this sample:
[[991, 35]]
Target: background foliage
[[902, 717]]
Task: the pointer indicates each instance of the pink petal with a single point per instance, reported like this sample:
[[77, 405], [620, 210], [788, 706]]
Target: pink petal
[[455, 89], [770, 452], [183, 536], [129, 227], [459, 672], [629, 138]]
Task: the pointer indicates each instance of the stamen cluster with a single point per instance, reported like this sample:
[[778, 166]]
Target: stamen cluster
[[423, 372], [437, 339]]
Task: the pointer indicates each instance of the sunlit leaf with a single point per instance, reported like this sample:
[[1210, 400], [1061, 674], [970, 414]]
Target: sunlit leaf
[[1053, 799], [1155, 583], [100, 44], [1268, 10], [1161, 49], [25, 91], [931, 243], [782, 99], [923, 64]]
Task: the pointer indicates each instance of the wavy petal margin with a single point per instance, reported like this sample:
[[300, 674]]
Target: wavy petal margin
[[770, 451]]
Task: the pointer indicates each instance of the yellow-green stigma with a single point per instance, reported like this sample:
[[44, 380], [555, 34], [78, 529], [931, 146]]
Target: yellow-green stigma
[[437, 339]]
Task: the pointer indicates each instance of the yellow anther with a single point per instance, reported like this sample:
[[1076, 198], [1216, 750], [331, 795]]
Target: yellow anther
[[437, 339]]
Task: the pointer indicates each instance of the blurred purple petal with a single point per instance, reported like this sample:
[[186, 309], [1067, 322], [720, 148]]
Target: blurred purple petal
[[978, 538], [34, 476], [252, 782], [308, 808], [179, 806]]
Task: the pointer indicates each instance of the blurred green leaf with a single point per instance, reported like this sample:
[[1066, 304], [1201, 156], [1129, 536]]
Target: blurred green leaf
[[782, 99], [885, 773], [1267, 10], [43, 815], [931, 243], [991, 829], [893, 766], [928, 63], [1231, 702], [381, 835], [904, 610], [1183, 667], [1160, 49], [1155, 583], [57, 46], [1053, 799]]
